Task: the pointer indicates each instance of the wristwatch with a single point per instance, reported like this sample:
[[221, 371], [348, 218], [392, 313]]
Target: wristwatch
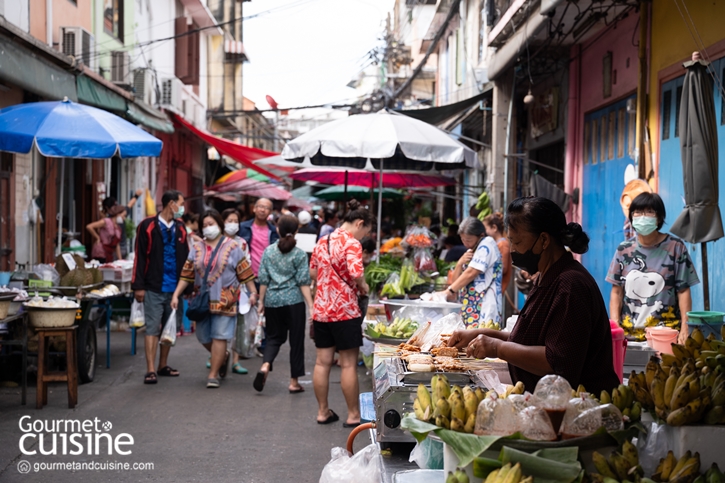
[[450, 290]]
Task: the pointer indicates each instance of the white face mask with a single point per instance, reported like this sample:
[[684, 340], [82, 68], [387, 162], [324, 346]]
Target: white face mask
[[211, 232], [231, 229], [119, 219]]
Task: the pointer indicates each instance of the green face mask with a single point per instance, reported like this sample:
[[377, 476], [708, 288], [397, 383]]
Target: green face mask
[[644, 225], [179, 213]]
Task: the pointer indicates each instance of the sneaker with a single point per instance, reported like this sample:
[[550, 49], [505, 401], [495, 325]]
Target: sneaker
[[212, 383]]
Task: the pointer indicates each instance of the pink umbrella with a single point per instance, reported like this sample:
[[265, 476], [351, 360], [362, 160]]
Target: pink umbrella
[[369, 179], [253, 187], [298, 203]]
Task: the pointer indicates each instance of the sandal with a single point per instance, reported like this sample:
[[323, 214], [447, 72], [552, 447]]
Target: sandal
[[330, 419], [150, 378], [212, 383], [225, 367], [297, 390], [208, 363], [238, 369], [167, 371], [259, 381]]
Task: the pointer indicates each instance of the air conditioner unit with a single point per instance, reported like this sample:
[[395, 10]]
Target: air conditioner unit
[[171, 94], [120, 67], [143, 85], [79, 43]]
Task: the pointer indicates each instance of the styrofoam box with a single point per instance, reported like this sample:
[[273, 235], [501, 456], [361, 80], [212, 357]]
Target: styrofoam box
[[706, 440], [117, 274]]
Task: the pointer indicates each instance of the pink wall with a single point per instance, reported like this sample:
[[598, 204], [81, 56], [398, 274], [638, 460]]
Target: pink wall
[[65, 14], [585, 88]]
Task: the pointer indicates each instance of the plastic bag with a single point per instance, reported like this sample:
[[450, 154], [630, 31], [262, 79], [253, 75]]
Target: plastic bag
[[496, 417], [589, 421], [137, 318], [423, 261], [246, 344], [534, 424], [150, 204], [168, 335], [574, 408], [445, 325], [418, 237], [363, 467], [553, 393], [48, 273], [428, 454], [392, 286], [259, 332]]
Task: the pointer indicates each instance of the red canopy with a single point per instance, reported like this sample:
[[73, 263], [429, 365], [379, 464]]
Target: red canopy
[[243, 154], [370, 179]]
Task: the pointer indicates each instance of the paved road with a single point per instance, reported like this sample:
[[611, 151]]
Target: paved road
[[188, 432]]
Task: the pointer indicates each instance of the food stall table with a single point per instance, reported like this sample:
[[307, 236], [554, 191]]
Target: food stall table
[[22, 318], [107, 304]]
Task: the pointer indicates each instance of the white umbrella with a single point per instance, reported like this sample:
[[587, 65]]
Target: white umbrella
[[369, 141]]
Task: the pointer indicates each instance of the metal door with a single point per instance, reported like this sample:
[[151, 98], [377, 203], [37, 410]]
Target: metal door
[[608, 149], [672, 190]]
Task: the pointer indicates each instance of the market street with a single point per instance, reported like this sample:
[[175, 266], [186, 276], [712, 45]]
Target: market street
[[188, 432]]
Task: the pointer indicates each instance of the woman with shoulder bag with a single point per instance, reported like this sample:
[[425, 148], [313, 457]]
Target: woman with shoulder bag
[[284, 287], [337, 267], [217, 267]]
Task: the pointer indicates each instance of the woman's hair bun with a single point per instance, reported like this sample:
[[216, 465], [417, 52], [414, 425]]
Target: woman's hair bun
[[353, 205], [575, 238]]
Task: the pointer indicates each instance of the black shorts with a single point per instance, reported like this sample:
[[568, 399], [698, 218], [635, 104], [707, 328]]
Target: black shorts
[[343, 335]]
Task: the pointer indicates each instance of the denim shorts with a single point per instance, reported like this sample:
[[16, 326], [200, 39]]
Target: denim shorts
[[220, 327], [157, 309]]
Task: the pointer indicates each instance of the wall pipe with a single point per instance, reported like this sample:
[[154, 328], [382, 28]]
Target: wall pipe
[[507, 149], [49, 22]]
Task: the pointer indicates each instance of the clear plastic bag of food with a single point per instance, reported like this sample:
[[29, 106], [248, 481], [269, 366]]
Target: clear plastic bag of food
[[553, 393], [418, 237], [423, 260], [575, 407], [168, 335], [589, 421], [535, 424], [392, 287], [496, 417], [137, 318], [521, 401]]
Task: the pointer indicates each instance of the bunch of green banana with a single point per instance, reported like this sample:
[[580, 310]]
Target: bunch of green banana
[[624, 398], [483, 205], [450, 407], [713, 475], [490, 324], [622, 466], [422, 405], [519, 388], [459, 476], [399, 329], [684, 470], [508, 474]]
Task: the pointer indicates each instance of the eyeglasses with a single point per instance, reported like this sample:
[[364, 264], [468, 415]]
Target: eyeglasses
[[265, 208], [644, 213]]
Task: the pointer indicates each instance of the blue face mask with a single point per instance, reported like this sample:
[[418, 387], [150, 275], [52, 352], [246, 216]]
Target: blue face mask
[[644, 225], [178, 214]]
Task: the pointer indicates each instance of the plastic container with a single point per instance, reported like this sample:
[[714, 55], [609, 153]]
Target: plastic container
[[619, 348], [707, 322], [51, 317], [662, 338], [5, 278]]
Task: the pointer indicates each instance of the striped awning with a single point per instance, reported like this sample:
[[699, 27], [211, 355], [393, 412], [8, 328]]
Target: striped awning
[[235, 47]]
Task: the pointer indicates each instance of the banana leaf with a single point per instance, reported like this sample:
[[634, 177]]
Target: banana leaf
[[550, 465]]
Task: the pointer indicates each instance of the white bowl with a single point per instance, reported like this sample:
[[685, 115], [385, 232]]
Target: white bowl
[[49, 317]]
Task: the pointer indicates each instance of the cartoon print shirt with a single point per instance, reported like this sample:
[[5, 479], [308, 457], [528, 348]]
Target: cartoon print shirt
[[651, 278], [482, 298]]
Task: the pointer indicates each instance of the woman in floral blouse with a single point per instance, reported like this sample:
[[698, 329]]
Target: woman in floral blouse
[[284, 287], [229, 268]]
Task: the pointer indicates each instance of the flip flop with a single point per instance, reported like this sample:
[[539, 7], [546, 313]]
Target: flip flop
[[350, 425], [150, 378], [259, 381], [208, 363], [297, 390], [238, 369], [167, 371], [330, 419]]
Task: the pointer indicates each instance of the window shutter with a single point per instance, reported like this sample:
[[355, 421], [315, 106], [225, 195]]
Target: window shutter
[[194, 57], [182, 49]]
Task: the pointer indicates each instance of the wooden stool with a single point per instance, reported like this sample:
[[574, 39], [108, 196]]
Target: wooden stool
[[71, 371]]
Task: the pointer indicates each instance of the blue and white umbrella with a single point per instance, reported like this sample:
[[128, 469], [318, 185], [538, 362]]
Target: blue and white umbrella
[[64, 129]]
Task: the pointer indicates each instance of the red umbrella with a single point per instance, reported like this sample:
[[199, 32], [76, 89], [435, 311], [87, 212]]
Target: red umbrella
[[253, 187], [369, 179]]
